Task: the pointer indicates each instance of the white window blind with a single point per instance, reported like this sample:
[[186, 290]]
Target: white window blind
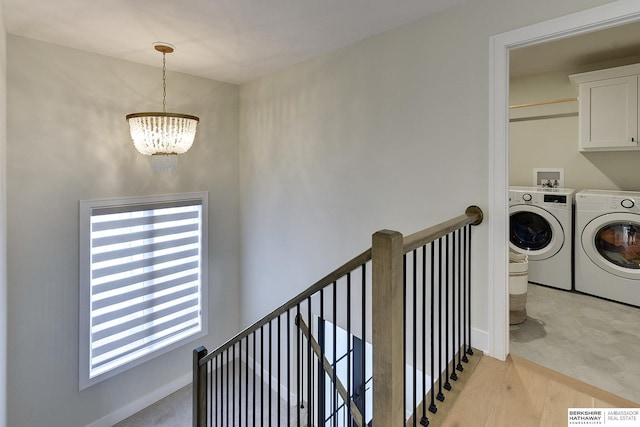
[[142, 284]]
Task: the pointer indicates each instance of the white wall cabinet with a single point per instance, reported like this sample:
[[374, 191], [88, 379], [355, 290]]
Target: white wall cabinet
[[608, 109]]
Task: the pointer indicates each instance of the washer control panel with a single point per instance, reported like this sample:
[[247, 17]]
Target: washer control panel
[[627, 203], [542, 199]]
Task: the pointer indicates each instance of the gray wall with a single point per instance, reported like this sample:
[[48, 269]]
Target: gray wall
[[3, 227], [68, 140], [390, 132]]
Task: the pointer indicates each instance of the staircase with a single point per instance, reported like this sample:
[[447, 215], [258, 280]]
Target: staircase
[[383, 340]]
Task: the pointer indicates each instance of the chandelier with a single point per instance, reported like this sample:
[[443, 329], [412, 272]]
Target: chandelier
[[163, 135]]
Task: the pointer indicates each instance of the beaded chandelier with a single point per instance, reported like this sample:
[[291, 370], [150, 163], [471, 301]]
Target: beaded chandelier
[[163, 135]]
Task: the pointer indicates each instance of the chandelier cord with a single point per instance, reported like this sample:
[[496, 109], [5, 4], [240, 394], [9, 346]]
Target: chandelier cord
[[164, 82]]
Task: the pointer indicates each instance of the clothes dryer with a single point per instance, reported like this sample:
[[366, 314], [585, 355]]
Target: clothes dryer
[[541, 226], [607, 258]]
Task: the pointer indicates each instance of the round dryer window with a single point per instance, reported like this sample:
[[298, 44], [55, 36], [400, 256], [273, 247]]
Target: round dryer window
[[534, 231], [612, 243]]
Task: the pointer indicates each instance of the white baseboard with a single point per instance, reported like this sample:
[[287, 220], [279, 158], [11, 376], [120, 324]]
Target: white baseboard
[[480, 339], [136, 406]]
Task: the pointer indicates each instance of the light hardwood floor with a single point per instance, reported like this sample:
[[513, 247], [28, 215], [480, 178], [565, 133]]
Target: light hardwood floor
[[520, 393]]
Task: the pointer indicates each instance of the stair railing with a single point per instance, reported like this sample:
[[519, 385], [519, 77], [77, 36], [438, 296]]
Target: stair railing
[[415, 277], [298, 366]]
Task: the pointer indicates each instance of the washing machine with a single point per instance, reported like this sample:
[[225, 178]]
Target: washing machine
[[541, 226], [607, 258]]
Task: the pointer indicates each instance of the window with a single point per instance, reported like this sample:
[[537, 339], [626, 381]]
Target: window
[[143, 269]]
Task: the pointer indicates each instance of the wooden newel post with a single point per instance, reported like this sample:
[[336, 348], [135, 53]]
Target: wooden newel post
[[388, 334], [199, 386]]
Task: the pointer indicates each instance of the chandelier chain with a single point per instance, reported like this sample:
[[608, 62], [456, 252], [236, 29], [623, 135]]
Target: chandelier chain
[[164, 82]]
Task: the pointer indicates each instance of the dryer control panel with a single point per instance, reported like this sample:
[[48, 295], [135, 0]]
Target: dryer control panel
[[624, 204], [609, 202]]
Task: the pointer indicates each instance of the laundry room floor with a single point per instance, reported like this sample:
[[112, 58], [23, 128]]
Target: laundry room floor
[[593, 340]]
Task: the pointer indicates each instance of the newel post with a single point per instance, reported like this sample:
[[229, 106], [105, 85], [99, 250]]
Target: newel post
[[199, 386], [388, 334]]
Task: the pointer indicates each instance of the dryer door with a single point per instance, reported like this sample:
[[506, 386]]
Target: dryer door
[[612, 243], [534, 231]]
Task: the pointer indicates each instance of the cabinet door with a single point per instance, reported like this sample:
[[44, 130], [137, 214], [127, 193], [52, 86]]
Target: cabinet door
[[609, 114]]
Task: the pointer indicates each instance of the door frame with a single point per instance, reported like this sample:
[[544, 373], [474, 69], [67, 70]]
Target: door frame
[[598, 18]]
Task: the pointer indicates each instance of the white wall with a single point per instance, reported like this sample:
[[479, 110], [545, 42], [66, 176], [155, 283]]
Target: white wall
[[390, 132], [68, 140], [3, 226], [553, 142]]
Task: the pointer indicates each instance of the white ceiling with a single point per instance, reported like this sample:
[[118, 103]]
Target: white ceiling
[[228, 40], [237, 41], [575, 52]]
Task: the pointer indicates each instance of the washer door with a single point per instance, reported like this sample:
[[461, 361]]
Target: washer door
[[534, 231], [612, 243]]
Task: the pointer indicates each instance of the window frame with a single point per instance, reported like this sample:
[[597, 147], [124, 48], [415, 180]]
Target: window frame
[[86, 208]]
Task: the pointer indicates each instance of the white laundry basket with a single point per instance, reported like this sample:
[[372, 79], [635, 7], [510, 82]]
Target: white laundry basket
[[518, 281]]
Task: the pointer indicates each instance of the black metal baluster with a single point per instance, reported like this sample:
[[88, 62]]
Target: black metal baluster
[[262, 375], [322, 383], [440, 395], [470, 350], [228, 380], [246, 382], [270, 370], [246, 374], [239, 363], [424, 420], [227, 377], [349, 353], [415, 333], [211, 393], [364, 342], [278, 370], [464, 303], [233, 383], [447, 384], [217, 388], [335, 356], [432, 407], [309, 366], [288, 368], [220, 381], [299, 365], [454, 375], [218, 392], [253, 402], [460, 307]]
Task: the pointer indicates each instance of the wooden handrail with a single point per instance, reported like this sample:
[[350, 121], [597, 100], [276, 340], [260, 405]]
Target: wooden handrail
[[316, 287], [473, 215]]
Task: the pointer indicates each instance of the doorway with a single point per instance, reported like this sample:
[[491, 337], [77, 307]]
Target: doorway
[[599, 18]]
